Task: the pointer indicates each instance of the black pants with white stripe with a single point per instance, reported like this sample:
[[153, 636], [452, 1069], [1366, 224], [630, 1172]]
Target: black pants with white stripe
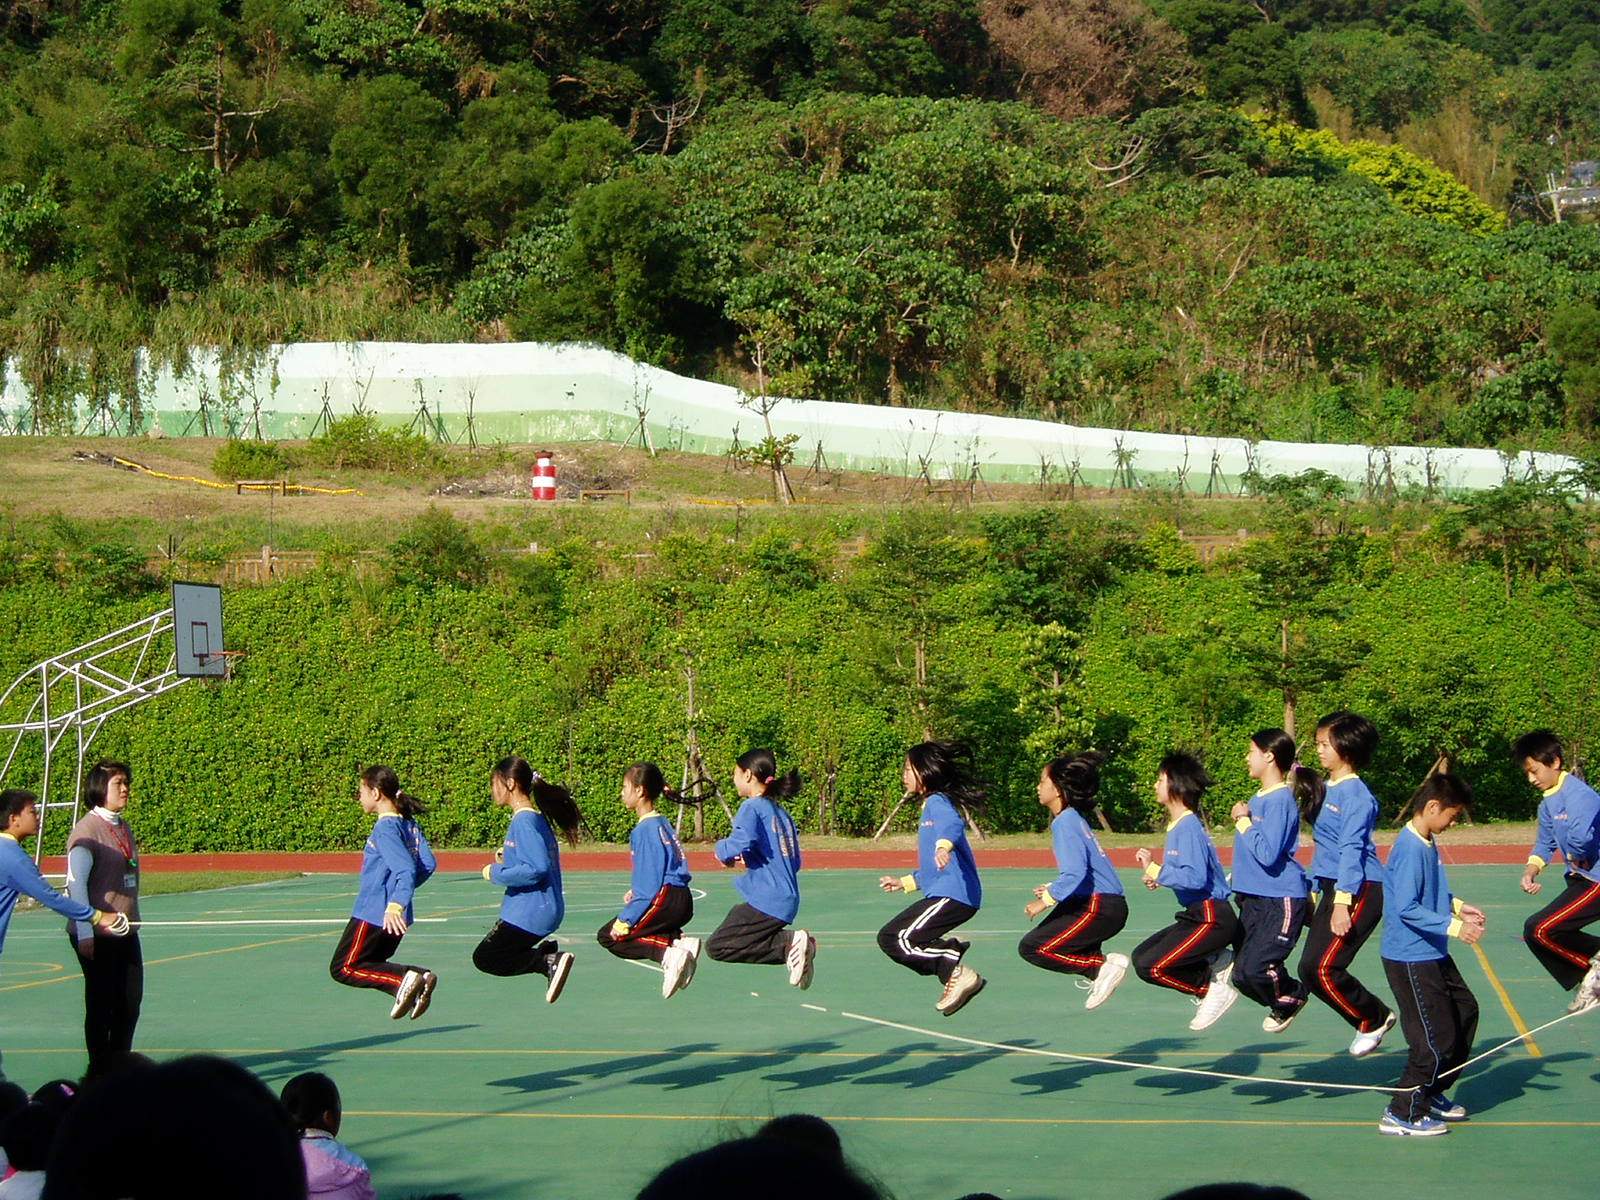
[[1269, 928], [915, 938], [1439, 1017]]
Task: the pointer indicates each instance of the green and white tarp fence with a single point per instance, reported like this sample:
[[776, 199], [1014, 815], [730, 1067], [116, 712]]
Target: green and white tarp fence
[[529, 392]]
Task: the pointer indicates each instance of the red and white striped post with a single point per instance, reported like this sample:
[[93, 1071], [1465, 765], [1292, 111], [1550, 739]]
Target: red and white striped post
[[544, 476]]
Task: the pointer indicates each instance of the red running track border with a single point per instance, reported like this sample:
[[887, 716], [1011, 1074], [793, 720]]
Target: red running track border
[[873, 858]]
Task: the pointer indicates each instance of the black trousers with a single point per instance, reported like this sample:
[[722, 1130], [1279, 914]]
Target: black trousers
[[511, 950], [1176, 957], [662, 924], [1555, 933], [1439, 1017], [748, 935], [1069, 939], [113, 988], [915, 937], [361, 959], [1325, 962], [1269, 926]]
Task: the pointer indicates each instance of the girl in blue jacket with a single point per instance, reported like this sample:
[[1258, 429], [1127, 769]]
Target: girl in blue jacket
[[658, 904], [1194, 954], [938, 773], [1268, 882], [528, 866], [1345, 868], [1086, 899], [765, 846], [397, 861]]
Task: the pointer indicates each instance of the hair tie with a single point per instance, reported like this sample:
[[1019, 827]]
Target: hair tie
[[769, 779], [1297, 765], [537, 778]]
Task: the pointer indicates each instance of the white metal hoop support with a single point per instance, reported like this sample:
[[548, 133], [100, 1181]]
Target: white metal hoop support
[[101, 683]]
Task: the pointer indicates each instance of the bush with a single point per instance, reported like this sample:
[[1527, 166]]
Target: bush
[[360, 441], [238, 458]]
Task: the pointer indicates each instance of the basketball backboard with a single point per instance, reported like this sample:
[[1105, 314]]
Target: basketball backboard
[[197, 630]]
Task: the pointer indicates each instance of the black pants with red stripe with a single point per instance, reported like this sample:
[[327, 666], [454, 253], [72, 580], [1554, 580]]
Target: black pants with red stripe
[[915, 936], [662, 924], [1069, 939], [1555, 933], [1325, 962], [361, 958], [1269, 928], [1178, 957]]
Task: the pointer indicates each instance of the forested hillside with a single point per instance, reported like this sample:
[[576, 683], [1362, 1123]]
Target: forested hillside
[[1313, 220]]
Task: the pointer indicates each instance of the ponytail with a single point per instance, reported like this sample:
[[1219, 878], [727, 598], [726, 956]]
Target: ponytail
[[648, 777], [386, 783], [1309, 789], [1305, 784], [946, 767], [1077, 778], [763, 764], [554, 801]]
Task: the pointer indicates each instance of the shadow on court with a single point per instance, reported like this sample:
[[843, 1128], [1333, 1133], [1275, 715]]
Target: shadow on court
[[1510, 1079], [570, 1075], [270, 1063], [1068, 1076]]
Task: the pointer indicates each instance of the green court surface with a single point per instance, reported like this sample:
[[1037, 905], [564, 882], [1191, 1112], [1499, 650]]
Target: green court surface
[[495, 1094]]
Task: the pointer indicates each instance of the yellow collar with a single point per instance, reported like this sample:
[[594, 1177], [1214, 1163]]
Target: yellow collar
[[1342, 778], [643, 817], [1559, 782], [1178, 820], [1275, 787], [1411, 825], [10, 838]]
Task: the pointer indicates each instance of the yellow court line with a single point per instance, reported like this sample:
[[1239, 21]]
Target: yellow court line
[[156, 962], [1517, 1022], [546, 1115]]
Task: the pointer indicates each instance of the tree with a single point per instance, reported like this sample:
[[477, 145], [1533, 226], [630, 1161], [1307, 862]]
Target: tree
[[1077, 58], [1301, 576], [391, 135], [1574, 336]]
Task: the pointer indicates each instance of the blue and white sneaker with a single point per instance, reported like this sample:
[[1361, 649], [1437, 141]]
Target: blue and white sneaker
[[1446, 1109], [1421, 1127]]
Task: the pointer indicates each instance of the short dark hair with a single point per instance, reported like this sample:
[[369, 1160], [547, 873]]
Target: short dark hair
[[309, 1098], [1541, 745], [1186, 778], [1449, 790], [1353, 738], [99, 779], [12, 802]]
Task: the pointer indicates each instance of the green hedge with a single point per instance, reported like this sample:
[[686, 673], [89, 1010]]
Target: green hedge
[[582, 667]]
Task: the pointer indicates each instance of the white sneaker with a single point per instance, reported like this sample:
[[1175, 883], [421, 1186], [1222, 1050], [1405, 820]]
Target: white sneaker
[[1219, 998], [802, 956], [559, 970], [673, 964], [964, 983], [691, 950], [1277, 1023], [1365, 1043], [424, 994], [407, 995], [1106, 979], [1588, 994]]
